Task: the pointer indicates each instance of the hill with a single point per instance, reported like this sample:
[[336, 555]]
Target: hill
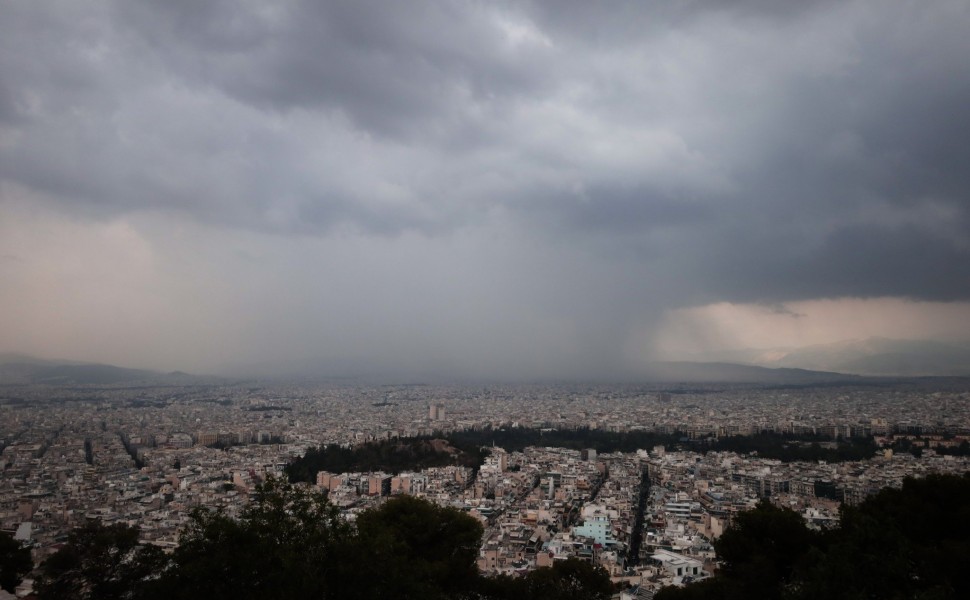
[[18, 369], [874, 356], [724, 372], [392, 456]]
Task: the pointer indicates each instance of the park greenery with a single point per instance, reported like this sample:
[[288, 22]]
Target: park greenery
[[391, 456], [466, 448], [917, 445], [784, 447], [793, 448]]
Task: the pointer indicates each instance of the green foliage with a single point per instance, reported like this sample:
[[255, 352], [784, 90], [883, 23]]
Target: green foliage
[[421, 550], [291, 543], [767, 534], [386, 455], [908, 543], [570, 579], [962, 450], [418, 453], [761, 548], [715, 588], [99, 562], [789, 448], [281, 547], [914, 447], [15, 562], [784, 447], [760, 551], [516, 438]]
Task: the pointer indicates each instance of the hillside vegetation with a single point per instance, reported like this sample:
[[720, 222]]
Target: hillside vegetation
[[290, 544], [390, 456], [899, 544], [466, 448]]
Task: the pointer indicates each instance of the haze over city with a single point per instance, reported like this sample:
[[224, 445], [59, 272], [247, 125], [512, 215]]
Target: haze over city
[[463, 189]]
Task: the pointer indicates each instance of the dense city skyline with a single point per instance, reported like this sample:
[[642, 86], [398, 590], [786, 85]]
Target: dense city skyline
[[637, 480], [508, 190]]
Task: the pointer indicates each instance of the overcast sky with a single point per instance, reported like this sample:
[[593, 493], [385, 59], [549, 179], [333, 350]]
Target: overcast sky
[[494, 189]]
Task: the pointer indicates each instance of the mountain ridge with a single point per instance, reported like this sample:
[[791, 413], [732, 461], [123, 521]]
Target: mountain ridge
[[754, 366], [874, 356], [22, 369]]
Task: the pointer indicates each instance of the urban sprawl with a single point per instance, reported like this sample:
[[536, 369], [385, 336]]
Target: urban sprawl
[[146, 456]]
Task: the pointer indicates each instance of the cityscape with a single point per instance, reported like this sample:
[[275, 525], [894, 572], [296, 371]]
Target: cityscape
[[464, 300], [146, 456]]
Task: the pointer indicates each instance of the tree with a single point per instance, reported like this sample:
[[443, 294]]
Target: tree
[[570, 579], [715, 588], [291, 543], [15, 562], [764, 544], [760, 552], [912, 542], [282, 546], [103, 562], [421, 550]]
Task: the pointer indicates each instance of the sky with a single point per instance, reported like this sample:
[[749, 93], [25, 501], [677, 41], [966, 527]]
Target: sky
[[478, 189]]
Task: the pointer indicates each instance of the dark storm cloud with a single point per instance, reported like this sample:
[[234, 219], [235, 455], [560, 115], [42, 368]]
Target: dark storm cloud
[[390, 69], [639, 210], [864, 261], [764, 151]]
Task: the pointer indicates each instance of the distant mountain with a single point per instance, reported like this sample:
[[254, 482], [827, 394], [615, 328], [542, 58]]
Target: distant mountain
[[820, 364], [872, 356], [722, 372], [7, 358], [22, 369]]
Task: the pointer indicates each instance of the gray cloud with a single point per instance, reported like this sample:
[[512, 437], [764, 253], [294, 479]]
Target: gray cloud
[[634, 159], [392, 70]]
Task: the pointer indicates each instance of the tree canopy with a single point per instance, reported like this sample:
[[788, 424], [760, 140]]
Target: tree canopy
[[407, 454], [15, 562], [99, 562], [282, 546], [291, 543], [385, 455], [912, 542]]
